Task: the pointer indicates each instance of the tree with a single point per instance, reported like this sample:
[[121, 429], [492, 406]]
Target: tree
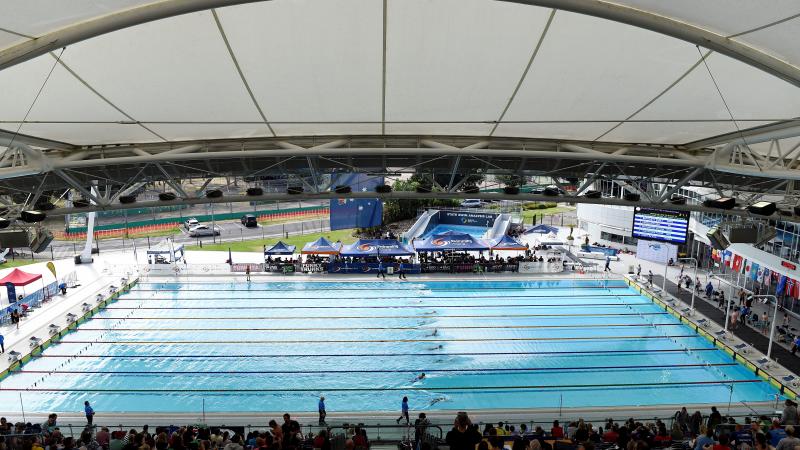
[[403, 209]]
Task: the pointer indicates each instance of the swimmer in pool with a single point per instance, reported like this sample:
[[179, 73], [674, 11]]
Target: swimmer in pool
[[437, 400], [419, 377], [435, 332], [438, 347]]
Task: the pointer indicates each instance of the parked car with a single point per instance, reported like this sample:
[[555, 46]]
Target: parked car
[[249, 221], [190, 223], [471, 203], [204, 230]]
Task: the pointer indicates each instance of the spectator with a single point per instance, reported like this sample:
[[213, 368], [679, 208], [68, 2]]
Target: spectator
[[723, 443], [775, 433], [556, 432], [51, 424], [236, 443], [761, 442], [612, 433], [706, 440], [87, 442], [789, 442], [420, 427], [789, 415], [714, 419], [103, 437], [677, 433], [462, 436], [742, 437], [321, 441]]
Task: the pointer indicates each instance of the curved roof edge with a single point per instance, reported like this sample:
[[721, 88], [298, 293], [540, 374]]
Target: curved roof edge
[[63, 37]]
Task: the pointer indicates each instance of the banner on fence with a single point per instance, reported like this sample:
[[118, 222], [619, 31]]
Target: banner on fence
[[242, 267]]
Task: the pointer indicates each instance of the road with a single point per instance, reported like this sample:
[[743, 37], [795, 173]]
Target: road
[[231, 231]]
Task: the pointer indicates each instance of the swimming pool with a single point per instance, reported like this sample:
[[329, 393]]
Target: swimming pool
[[172, 347], [477, 232]]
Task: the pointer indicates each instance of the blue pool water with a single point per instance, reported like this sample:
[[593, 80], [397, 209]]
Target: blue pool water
[[477, 232], [174, 347]]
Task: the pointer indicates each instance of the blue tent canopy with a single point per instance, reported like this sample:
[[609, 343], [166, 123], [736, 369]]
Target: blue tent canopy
[[542, 229], [451, 240], [508, 243], [322, 246], [280, 249], [377, 247]]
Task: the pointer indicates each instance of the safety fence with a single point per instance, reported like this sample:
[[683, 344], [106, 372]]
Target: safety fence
[[170, 223]]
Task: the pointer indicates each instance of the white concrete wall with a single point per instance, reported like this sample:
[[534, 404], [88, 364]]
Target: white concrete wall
[[612, 219]]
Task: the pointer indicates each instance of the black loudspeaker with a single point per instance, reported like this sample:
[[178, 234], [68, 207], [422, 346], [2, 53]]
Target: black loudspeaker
[[721, 203], [255, 191], [127, 199], [717, 239], [593, 194], [294, 190], [214, 193], [550, 192], [677, 200], [383, 189], [797, 210], [631, 196], [44, 206], [80, 203], [32, 216], [511, 190], [763, 208], [4, 223], [167, 196], [343, 189], [41, 240], [743, 235], [14, 238]]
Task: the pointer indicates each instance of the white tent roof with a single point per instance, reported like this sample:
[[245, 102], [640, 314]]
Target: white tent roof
[[418, 67]]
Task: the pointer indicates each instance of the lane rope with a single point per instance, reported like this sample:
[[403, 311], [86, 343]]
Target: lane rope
[[405, 388], [349, 355], [480, 371], [340, 341]]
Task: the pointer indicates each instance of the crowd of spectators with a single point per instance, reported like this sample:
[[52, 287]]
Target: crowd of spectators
[[50, 436], [688, 431], [685, 430]]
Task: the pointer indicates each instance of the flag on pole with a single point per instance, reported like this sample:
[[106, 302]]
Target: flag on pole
[[755, 272], [737, 263], [781, 287], [766, 276]]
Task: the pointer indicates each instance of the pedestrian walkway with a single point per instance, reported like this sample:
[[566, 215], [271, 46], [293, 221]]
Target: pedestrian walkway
[[755, 338]]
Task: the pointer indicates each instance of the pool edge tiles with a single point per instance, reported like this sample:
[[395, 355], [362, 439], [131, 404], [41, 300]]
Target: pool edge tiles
[[489, 383], [785, 390], [54, 339]]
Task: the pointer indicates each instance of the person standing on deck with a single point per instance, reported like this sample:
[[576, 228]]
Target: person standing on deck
[[404, 411], [89, 413], [322, 412]]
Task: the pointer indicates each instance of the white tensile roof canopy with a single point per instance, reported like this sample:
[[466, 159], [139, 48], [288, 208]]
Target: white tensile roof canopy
[[687, 74]]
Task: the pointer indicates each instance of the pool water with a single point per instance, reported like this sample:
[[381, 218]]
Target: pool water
[[477, 232], [172, 347]]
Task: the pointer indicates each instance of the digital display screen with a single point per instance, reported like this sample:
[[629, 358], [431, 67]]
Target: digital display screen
[[663, 225]]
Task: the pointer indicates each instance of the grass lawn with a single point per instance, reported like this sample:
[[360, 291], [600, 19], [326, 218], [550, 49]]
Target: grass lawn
[[294, 219], [257, 245], [159, 233], [527, 214], [19, 262]]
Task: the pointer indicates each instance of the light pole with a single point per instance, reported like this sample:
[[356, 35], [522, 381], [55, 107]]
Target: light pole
[[664, 284], [774, 320], [694, 289]]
